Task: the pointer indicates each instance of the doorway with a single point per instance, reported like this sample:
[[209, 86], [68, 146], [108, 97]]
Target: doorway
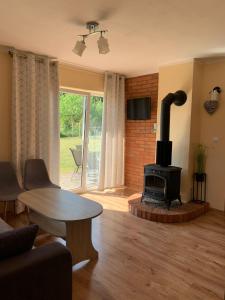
[[80, 139]]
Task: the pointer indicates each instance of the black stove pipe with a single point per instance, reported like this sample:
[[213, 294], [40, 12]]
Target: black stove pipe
[[164, 146], [178, 98]]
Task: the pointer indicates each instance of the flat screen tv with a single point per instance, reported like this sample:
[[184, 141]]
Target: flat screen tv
[[139, 109]]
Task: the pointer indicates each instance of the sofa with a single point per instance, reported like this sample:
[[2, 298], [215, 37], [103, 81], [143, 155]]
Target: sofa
[[43, 273]]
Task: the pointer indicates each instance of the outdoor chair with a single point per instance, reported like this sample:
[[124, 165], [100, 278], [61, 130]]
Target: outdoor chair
[[77, 157], [9, 186], [36, 175]]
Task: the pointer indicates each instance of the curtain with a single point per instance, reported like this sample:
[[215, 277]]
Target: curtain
[[35, 115], [112, 150]]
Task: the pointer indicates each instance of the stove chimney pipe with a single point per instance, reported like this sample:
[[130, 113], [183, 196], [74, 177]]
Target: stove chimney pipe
[[164, 146]]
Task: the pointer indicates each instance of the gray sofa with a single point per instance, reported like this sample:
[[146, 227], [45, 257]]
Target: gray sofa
[[42, 273]]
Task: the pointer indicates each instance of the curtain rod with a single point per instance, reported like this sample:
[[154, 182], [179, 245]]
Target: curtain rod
[[10, 50]]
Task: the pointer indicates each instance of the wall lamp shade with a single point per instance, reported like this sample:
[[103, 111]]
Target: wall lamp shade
[[103, 45], [79, 47], [212, 105]]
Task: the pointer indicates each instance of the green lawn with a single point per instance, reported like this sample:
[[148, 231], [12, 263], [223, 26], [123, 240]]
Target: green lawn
[[66, 159]]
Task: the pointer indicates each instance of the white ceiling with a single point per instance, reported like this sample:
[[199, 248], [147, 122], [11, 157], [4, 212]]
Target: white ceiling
[[143, 34]]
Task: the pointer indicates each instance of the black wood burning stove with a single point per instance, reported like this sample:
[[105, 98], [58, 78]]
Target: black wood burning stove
[[162, 183], [161, 180]]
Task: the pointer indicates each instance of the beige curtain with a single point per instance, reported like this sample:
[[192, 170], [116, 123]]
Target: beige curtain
[[35, 116], [112, 151]]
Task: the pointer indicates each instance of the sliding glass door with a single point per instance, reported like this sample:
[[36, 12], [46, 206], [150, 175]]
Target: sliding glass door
[[80, 139], [94, 131]]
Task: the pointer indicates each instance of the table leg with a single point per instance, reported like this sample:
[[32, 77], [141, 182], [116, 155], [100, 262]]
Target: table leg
[[78, 240]]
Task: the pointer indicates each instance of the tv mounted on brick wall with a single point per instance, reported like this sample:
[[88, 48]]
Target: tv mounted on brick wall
[[139, 109]]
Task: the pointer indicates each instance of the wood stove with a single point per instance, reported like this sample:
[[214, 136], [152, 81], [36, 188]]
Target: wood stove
[[161, 180], [162, 183]]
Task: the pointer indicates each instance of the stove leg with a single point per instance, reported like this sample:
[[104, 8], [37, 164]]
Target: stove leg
[[179, 198], [168, 202]]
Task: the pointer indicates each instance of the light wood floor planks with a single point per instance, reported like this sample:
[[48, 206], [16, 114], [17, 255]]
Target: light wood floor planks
[[140, 259]]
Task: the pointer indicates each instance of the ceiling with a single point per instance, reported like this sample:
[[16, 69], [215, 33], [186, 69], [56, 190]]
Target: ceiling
[[142, 35]]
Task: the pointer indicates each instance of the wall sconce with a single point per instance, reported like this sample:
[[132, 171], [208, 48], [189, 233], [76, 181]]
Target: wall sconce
[[212, 104]]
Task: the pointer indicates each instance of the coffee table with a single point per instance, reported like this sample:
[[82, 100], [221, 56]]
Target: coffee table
[[64, 214]]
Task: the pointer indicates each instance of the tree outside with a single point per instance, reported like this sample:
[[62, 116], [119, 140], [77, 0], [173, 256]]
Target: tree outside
[[71, 114]]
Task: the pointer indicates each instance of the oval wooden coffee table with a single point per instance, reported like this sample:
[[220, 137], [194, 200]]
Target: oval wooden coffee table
[[65, 214]]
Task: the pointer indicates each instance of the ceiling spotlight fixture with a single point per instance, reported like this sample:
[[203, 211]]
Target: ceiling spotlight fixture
[[93, 28]]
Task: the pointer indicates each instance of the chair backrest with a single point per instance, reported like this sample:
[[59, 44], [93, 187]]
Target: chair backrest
[[77, 156], [35, 173], [8, 179]]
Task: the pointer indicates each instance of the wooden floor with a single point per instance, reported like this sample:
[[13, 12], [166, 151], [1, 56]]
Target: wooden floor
[[140, 259]]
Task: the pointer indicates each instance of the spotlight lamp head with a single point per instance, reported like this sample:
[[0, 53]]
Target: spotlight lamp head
[[79, 47], [103, 45]]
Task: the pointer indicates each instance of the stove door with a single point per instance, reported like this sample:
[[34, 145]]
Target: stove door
[[155, 187]]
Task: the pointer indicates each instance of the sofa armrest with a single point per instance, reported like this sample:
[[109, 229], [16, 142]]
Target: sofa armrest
[[43, 273]]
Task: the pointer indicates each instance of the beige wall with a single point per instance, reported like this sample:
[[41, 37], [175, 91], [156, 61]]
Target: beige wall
[[191, 124], [194, 121], [211, 127], [171, 79], [5, 105], [70, 77], [73, 78]]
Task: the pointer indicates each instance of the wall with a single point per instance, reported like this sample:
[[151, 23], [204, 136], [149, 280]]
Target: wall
[[195, 117], [171, 79], [191, 125], [140, 140], [213, 126], [70, 77], [74, 78], [5, 108], [5, 105]]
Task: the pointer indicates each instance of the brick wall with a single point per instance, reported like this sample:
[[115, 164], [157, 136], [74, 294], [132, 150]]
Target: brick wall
[[140, 139]]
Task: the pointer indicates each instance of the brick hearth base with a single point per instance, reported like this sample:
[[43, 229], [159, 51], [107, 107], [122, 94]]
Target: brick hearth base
[[183, 213]]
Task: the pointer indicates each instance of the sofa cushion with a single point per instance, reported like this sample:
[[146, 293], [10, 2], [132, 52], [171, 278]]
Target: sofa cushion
[[4, 226], [17, 241]]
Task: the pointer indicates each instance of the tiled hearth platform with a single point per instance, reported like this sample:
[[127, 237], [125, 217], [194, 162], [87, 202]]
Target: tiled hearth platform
[[178, 214]]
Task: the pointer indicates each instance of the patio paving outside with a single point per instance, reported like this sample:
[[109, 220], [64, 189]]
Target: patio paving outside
[[69, 182]]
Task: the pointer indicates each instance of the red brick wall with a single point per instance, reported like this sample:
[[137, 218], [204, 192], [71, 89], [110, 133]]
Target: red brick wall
[[140, 139]]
